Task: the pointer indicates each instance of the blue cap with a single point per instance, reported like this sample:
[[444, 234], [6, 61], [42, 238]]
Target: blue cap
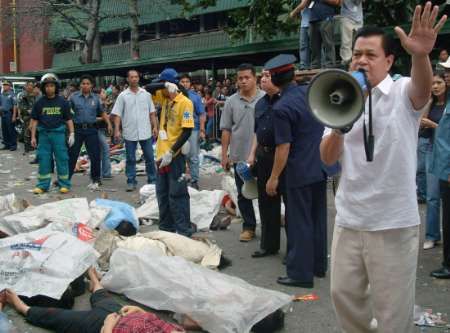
[[168, 75], [281, 63]]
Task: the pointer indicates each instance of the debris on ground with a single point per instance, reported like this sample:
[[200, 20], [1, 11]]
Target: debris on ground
[[426, 317], [305, 298]]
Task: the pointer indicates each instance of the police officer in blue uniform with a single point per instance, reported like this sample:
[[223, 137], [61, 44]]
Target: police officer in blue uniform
[[87, 107], [7, 111], [262, 157], [298, 136]]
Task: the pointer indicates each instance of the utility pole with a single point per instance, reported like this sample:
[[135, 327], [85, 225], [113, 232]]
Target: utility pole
[[14, 31]]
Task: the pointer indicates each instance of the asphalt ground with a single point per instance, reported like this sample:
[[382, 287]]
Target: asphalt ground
[[19, 177]]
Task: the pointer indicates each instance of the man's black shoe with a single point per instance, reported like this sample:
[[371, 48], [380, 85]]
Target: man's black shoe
[[263, 253], [442, 273], [13, 149], [287, 281], [35, 161]]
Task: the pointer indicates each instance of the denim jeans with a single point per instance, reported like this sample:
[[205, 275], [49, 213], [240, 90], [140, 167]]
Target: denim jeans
[[193, 161], [104, 151], [245, 205], [421, 178], [173, 199], [209, 127], [130, 167], [433, 230], [305, 54]]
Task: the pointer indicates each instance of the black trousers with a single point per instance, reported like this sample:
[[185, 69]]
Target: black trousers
[[321, 35], [269, 207], [89, 137], [307, 231], [70, 321], [445, 197]]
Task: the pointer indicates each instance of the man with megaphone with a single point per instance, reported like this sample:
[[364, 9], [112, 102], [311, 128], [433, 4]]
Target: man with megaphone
[[376, 235]]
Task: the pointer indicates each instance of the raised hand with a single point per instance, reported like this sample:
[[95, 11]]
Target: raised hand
[[424, 31]]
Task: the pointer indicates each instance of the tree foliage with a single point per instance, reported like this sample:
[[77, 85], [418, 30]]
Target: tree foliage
[[269, 17]]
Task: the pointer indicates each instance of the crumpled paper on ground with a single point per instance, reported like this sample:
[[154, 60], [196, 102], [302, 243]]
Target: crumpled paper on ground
[[218, 302], [204, 205], [10, 204]]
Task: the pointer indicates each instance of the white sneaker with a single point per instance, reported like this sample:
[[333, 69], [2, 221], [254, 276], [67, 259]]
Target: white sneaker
[[428, 244], [93, 186]]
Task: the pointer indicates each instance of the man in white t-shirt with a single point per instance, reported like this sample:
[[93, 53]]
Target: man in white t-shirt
[[376, 234]]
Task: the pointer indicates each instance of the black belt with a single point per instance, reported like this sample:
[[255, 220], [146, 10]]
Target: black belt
[[267, 149], [85, 126]]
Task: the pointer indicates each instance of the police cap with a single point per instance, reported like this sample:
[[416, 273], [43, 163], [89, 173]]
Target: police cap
[[282, 63]]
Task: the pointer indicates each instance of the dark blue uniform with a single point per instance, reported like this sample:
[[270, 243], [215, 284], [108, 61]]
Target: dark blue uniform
[[305, 182], [7, 104], [269, 206], [86, 109]]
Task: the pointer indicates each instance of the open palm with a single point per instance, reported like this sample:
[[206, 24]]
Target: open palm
[[424, 31]]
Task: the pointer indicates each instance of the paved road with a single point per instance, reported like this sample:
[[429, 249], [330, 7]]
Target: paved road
[[317, 316]]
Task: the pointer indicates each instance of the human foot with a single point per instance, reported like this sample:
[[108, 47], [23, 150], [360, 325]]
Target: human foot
[[14, 300], [94, 280]]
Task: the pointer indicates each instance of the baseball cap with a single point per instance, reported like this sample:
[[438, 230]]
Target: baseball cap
[[168, 75]]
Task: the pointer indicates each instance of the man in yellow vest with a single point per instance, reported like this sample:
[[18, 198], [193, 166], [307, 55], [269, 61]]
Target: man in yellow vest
[[176, 124]]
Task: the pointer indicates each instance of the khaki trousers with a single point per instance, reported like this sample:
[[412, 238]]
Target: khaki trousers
[[384, 260], [348, 29]]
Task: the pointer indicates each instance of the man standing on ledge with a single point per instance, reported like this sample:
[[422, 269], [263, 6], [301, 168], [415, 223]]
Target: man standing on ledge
[[376, 235]]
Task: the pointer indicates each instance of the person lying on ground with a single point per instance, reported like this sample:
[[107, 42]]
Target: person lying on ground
[[106, 315]]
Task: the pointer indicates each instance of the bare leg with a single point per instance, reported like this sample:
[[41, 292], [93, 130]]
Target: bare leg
[[16, 302], [94, 280]]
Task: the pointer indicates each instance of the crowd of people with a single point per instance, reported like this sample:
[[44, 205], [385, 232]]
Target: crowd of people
[[266, 123]]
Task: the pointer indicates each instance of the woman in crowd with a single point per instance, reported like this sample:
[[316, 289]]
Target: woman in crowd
[[440, 167], [428, 124], [210, 104]]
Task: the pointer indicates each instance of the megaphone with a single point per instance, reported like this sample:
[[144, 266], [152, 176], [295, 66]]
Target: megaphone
[[336, 97]]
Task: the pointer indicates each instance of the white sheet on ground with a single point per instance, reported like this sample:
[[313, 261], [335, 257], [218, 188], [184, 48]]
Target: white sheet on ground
[[218, 302], [162, 243], [43, 262], [75, 210], [204, 205]]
